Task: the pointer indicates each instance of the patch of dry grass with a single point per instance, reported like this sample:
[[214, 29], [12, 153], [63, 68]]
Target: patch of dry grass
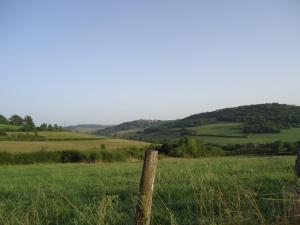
[[31, 146]]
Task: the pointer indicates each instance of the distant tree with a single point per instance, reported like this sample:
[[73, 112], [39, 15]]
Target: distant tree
[[260, 125], [50, 127], [28, 124], [16, 120], [103, 146], [43, 127], [3, 120], [55, 127]]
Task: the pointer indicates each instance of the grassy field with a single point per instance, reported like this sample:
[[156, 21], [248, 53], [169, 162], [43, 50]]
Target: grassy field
[[234, 129], [8, 126], [31, 146], [220, 129], [230, 190], [60, 135]]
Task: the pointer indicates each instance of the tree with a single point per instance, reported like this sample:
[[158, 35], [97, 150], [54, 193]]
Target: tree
[[50, 127], [43, 127], [3, 120], [28, 124], [16, 120]]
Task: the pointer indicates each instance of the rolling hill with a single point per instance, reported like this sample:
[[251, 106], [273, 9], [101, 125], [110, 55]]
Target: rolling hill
[[260, 123], [88, 128], [128, 129]]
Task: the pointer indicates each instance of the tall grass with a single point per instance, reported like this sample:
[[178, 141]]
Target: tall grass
[[235, 190]]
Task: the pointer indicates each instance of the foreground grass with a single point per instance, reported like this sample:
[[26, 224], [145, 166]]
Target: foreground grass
[[231, 190], [32, 146]]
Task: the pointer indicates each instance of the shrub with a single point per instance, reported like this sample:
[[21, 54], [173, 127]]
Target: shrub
[[112, 156], [72, 156], [3, 133], [44, 156], [189, 147], [93, 157], [6, 158]]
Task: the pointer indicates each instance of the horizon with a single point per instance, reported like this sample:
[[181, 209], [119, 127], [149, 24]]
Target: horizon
[[151, 119], [70, 62]]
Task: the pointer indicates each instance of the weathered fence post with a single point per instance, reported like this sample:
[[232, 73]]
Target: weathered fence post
[[296, 219], [143, 211], [297, 164]]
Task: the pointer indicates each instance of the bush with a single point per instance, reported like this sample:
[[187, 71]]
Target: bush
[[3, 133], [112, 156], [43, 156], [93, 157], [189, 147], [275, 148], [72, 156], [6, 158]]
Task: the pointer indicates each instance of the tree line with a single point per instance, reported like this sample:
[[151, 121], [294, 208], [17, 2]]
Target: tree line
[[27, 124], [262, 118], [191, 147]]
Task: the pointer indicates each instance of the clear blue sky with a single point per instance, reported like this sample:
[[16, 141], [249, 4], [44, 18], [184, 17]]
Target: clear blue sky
[[68, 61]]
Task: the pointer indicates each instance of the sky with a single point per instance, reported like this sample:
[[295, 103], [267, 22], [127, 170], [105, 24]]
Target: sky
[[107, 62]]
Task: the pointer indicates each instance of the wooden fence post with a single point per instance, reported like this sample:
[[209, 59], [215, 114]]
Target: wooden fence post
[[297, 164], [143, 211]]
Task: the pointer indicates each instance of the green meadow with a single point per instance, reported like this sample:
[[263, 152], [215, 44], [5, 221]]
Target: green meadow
[[224, 133], [60, 135], [82, 145], [227, 190], [10, 127], [61, 141]]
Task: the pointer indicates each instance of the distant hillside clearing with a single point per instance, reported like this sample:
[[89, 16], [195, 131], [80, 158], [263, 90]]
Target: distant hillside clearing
[[23, 146]]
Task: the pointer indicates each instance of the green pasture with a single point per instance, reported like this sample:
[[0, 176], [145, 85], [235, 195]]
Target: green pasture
[[59, 135], [32, 146], [10, 127], [234, 129], [228, 190]]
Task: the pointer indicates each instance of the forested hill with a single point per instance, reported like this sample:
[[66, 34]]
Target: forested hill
[[87, 127], [132, 125], [262, 118], [250, 119]]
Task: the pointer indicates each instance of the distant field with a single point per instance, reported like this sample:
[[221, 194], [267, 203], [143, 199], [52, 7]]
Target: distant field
[[233, 129], [8, 126], [220, 129], [56, 135], [228, 190], [126, 133], [30, 146]]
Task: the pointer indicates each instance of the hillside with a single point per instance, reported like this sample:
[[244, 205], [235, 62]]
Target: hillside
[[128, 128], [251, 123], [89, 128], [274, 114]]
